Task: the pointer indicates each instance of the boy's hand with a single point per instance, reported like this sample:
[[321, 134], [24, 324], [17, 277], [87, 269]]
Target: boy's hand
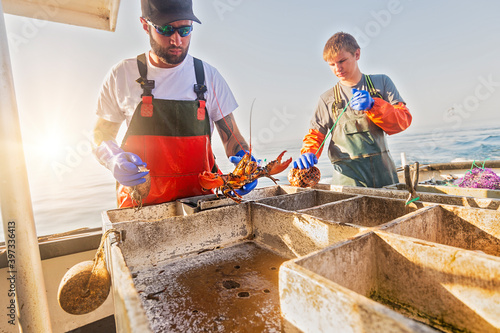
[[361, 100]]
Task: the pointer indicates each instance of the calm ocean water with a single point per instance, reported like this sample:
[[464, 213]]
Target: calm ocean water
[[72, 195]]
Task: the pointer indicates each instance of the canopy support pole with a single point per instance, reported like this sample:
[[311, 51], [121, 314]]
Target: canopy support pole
[[23, 255]]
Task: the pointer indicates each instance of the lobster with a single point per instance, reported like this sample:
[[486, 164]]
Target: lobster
[[246, 171]]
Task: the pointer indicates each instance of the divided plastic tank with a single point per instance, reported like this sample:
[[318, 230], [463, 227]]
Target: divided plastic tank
[[305, 260]]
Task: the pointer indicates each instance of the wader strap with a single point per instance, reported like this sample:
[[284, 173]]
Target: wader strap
[[371, 88], [339, 103], [146, 85], [142, 65], [200, 88]]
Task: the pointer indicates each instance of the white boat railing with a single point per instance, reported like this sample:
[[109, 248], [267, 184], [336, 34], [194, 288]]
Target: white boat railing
[[23, 254], [24, 264]]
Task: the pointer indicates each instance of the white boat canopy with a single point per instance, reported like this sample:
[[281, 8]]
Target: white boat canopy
[[98, 14], [15, 200]]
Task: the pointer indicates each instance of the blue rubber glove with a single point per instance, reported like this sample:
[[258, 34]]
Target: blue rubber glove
[[305, 161], [361, 100], [245, 189], [239, 155], [123, 165]]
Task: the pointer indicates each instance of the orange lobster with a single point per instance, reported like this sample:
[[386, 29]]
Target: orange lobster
[[246, 171]]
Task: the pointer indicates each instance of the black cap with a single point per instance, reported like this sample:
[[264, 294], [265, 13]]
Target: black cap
[[163, 12]]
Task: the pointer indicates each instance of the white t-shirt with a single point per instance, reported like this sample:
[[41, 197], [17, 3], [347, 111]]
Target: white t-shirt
[[120, 93]]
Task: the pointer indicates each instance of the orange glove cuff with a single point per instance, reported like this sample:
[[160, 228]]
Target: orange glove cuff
[[312, 141], [391, 118]]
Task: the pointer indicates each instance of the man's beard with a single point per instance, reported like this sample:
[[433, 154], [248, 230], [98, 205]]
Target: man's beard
[[162, 52]]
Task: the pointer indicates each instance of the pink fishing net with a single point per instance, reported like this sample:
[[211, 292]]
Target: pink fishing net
[[480, 178]]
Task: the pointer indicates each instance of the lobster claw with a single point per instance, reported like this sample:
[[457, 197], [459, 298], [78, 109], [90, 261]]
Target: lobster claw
[[277, 166], [209, 180]]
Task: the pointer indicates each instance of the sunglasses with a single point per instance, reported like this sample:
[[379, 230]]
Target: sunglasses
[[169, 30]]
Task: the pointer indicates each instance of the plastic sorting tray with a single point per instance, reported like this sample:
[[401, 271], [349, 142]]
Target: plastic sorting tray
[[380, 280], [304, 199], [466, 228], [365, 211], [347, 262], [192, 205], [210, 271], [400, 192], [196, 204], [452, 190]]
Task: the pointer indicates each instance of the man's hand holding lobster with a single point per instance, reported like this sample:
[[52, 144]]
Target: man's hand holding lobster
[[244, 177], [247, 188]]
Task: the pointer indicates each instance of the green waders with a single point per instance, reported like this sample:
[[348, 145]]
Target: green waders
[[360, 155]]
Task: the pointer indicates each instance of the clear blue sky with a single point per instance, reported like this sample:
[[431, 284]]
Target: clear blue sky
[[442, 55]]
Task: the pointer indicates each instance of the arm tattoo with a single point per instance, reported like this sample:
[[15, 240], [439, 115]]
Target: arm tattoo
[[230, 135], [225, 130]]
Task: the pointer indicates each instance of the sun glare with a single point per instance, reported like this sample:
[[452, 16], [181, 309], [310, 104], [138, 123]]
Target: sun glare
[[51, 147], [48, 149]]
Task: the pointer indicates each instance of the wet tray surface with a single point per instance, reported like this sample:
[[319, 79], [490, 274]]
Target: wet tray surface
[[225, 290]]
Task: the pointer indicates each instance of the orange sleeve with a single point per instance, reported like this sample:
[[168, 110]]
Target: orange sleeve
[[312, 141], [391, 118]]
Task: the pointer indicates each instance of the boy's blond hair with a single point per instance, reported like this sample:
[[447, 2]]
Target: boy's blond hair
[[336, 43]]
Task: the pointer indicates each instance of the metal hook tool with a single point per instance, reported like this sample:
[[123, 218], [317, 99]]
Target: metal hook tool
[[412, 182]]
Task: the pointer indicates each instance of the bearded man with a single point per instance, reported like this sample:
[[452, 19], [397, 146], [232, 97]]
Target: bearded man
[[170, 103]]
